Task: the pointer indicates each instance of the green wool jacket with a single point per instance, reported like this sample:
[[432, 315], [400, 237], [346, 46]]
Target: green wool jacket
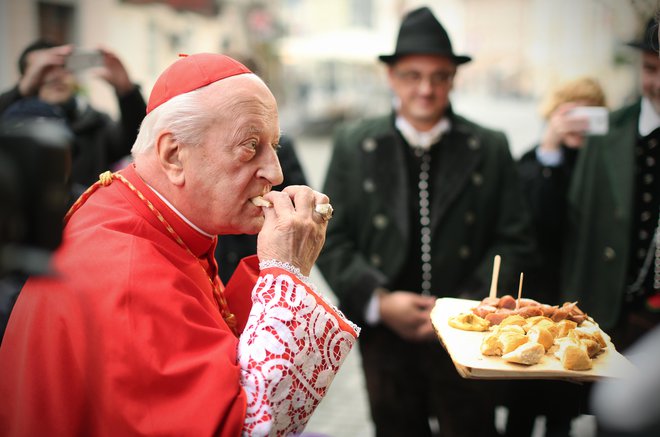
[[600, 207], [477, 212]]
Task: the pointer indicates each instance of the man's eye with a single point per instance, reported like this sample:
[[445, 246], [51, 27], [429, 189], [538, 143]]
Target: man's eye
[[277, 147]]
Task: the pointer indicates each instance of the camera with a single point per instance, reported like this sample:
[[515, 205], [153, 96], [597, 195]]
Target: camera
[[597, 118], [35, 160], [83, 59]]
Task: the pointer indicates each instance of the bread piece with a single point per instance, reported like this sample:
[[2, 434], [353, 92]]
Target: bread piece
[[514, 319], [540, 321], [468, 322], [511, 340], [575, 358], [491, 345], [594, 330], [260, 201], [538, 334], [591, 347], [498, 329], [562, 328], [528, 353]]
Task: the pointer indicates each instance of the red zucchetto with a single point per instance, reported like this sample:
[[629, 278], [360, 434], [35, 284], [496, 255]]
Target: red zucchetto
[[192, 72]]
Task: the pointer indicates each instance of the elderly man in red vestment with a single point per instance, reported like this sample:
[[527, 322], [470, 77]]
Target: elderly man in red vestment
[[134, 334]]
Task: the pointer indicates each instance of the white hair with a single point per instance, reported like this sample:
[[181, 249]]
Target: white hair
[[187, 116]]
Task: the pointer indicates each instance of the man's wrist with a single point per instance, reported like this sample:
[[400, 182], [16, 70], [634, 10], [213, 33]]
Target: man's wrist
[[550, 157], [372, 312]]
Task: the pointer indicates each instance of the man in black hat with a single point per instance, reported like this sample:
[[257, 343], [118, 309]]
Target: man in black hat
[[424, 199]]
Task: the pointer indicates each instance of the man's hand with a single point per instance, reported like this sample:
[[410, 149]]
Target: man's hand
[[292, 231], [563, 128], [37, 65], [408, 314], [114, 73]]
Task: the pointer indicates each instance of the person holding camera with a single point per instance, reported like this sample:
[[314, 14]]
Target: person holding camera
[[47, 75], [546, 172], [598, 205]]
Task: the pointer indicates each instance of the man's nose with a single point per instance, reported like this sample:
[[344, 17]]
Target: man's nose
[[272, 170]]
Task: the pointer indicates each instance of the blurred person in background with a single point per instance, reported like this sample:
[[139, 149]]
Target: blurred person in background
[[424, 200], [135, 334], [99, 140], [629, 407], [546, 172], [232, 248], [611, 260]]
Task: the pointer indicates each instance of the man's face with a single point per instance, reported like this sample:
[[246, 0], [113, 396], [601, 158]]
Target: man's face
[[58, 86], [650, 77], [237, 161], [422, 83]]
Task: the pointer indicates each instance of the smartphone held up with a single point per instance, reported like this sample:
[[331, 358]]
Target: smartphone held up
[[597, 118], [81, 60]]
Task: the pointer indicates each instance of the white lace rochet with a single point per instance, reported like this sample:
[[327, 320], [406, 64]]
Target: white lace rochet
[[289, 352]]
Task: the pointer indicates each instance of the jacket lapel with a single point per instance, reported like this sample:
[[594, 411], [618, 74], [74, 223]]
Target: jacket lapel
[[618, 156]]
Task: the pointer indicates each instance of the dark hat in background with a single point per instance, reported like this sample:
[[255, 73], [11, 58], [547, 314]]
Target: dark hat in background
[[648, 41], [422, 34]]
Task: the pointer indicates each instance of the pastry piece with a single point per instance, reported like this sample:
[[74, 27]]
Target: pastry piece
[[511, 340], [260, 201], [514, 319], [562, 328], [575, 358], [540, 321], [592, 328], [509, 328], [542, 336], [468, 322], [529, 353], [491, 345], [592, 347]]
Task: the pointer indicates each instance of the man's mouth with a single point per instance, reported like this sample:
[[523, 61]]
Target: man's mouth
[[261, 202]]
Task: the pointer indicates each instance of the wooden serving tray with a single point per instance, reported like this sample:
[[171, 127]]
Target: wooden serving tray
[[463, 347]]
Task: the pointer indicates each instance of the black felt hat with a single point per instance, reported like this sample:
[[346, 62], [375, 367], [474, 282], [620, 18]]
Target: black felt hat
[[422, 34], [648, 41]]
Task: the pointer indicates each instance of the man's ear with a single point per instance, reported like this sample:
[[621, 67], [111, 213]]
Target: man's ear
[[169, 157]]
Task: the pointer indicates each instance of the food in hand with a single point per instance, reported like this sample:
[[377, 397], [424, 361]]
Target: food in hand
[[261, 202]]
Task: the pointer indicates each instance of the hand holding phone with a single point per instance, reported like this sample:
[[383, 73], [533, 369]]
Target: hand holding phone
[[83, 59], [597, 117]]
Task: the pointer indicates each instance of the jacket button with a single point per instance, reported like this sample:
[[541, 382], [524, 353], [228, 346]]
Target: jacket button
[[375, 260], [473, 143], [369, 186], [369, 145], [380, 221], [464, 252], [469, 217], [477, 179], [609, 254]]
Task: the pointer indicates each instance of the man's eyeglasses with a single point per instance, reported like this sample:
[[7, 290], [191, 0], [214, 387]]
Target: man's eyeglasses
[[415, 77]]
